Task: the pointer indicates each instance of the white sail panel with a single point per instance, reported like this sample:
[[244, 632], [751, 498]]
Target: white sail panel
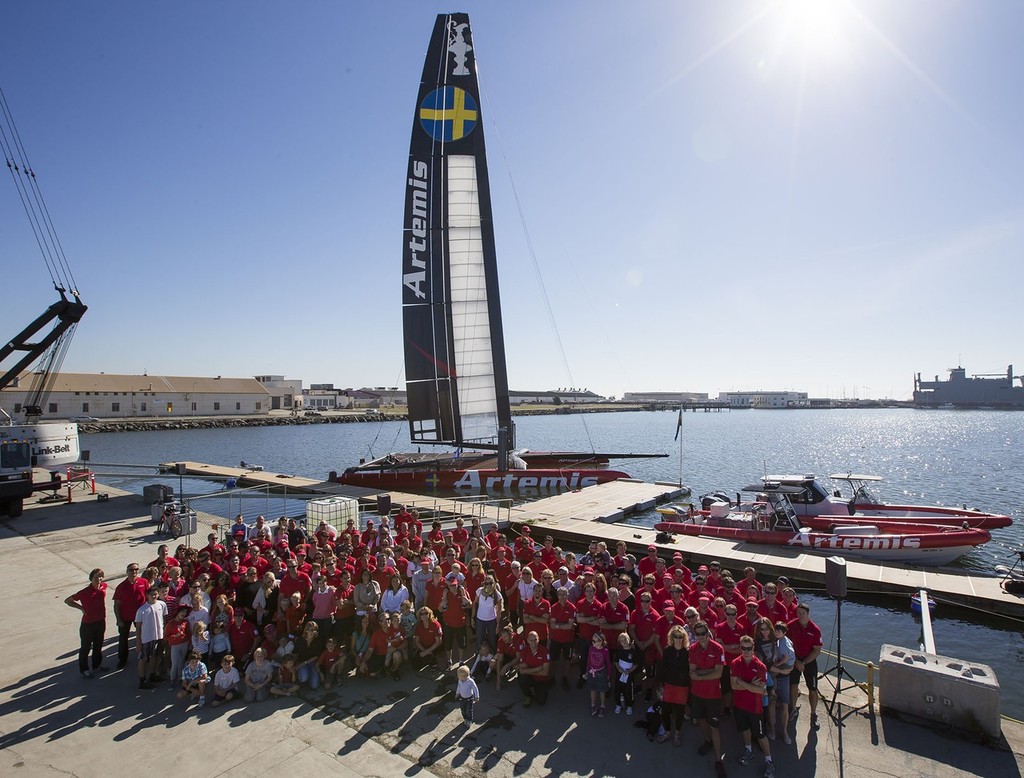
[[471, 332]]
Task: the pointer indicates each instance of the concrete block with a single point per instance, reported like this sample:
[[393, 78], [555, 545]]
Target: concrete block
[[949, 691]]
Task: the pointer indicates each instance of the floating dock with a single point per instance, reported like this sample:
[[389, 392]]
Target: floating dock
[[597, 513]]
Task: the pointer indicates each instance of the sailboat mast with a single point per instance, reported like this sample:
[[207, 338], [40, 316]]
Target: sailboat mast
[[456, 378]]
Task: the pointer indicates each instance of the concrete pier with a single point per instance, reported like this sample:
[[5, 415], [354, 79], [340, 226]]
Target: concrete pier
[[54, 722]]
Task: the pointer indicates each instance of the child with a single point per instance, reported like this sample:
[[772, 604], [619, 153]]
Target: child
[[330, 664], [225, 682], [408, 621], [200, 639], [286, 684], [599, 670], [396, 644], [194, 678], [627, 662], [467, 693], [484, 662], [295, 614], [220, 645]]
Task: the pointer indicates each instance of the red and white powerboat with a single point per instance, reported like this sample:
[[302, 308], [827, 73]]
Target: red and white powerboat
[[817, 500], [771, 520]]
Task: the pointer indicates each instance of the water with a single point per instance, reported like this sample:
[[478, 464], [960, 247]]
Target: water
[[935, 457]]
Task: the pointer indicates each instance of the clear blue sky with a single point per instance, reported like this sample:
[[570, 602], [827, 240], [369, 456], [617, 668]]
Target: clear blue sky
[[812, 195]]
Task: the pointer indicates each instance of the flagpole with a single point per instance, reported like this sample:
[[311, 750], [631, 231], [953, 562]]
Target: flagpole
[[679, 437]]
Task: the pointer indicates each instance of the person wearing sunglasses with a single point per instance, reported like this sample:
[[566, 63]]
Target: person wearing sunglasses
[[707, 660], [749, 680]]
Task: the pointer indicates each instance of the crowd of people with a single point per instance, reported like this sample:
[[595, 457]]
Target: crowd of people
[[268, 609]]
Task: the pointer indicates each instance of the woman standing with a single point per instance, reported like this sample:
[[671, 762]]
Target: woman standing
[[675, 675], [92, 601], [265, 603], [487, 606]]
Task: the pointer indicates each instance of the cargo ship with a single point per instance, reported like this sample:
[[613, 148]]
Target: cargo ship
[[994, 391]]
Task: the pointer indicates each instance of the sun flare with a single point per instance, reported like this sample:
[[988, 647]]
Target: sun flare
[[820, 28]]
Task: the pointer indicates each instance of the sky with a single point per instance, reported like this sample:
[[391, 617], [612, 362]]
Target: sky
[[808, 195]]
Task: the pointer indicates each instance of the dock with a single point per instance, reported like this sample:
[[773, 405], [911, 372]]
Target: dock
[[363, 727], [958, 587], [597, 512]]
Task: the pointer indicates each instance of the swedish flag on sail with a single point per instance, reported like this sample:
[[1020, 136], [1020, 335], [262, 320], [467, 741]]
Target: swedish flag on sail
[[448, 113]]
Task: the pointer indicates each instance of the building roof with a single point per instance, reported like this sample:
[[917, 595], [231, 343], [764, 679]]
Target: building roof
[[108, 382]]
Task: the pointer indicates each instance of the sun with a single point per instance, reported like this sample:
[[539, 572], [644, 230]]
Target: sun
[[819, 29]]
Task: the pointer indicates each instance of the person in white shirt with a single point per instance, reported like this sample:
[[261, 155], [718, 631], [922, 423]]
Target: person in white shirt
[[149, 631]]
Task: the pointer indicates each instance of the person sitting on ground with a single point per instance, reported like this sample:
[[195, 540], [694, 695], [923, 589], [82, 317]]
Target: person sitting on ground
[[330, 664], [225, 682], [258, 676], [287, 681], [194, 678], [534, 671], [428, 640]]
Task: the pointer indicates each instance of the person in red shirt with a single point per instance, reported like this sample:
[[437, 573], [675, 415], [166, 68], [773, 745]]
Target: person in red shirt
[[129, 596], [428, 639], [295, 581], [506, 654], [534, 671], [729, 634], [563, 620], [454, 604], [163, 556], [749, 680], [523, 547], [645, 629], [750, 579], [707, 660], [750, 618], [537, 614], [460, 535], [677, 564], [588, 621], [548, 555], [492, 538], [243, 635], [614, 618], [92, 601], [772, 607], [806, 638], [731, 594], [649, 563]]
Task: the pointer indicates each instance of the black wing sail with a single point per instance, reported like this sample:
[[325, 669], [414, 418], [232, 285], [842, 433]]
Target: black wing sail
[[454, 346]]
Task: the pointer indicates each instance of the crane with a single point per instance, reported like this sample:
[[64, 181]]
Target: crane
[[44, 342]]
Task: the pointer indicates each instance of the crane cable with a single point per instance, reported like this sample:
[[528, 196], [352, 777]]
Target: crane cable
[[32, 201]]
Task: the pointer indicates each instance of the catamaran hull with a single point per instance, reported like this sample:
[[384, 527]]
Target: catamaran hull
[[924, 548], [480, 481]]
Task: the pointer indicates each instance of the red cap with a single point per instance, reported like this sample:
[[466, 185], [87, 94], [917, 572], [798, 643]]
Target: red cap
[[652, 547]]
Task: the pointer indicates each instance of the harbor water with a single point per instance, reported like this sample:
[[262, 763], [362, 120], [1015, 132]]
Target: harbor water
[[931, 457]]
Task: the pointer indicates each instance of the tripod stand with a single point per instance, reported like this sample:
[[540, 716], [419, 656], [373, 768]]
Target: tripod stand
[[840, 670]]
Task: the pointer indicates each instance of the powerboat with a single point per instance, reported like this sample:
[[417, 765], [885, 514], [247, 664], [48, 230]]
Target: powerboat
[[771, 520]]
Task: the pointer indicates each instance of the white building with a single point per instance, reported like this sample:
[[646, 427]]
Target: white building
[[285, 393], [109, 396], [765, 399]]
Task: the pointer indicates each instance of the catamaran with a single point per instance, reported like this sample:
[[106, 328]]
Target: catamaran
[[456, 378]]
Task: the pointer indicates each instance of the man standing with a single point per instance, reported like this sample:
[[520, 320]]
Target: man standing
[[806, 638], [707, 659], [149, 631], [129, 596], [749, 679]]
